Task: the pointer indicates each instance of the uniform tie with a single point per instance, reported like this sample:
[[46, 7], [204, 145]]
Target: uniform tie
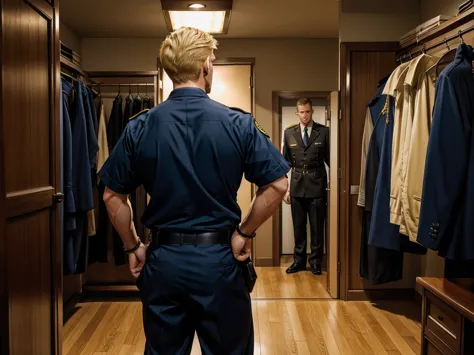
[[305, 137]]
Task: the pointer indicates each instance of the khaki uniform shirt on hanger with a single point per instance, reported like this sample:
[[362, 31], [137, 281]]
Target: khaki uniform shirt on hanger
[[417, 144], [416, 69], [368, 128], [394, 87]]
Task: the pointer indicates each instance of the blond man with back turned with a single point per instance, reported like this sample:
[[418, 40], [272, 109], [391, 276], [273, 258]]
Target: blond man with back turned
[[190, 153]]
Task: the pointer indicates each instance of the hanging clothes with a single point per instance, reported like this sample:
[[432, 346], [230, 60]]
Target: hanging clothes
[[446, 222], [98, 244], [383, 234], [93, 146], [128, 112], [69, 218], [420, 81], [147, 102], [378, 265], [115, 124], [368, 129], [416, 68], [93, 108], [137, 104], [75, 239]]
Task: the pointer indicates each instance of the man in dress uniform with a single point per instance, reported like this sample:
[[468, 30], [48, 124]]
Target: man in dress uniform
[[306, 148], [190, 154]]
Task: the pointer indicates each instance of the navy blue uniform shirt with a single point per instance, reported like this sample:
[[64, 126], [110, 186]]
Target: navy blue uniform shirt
[[190, 153]]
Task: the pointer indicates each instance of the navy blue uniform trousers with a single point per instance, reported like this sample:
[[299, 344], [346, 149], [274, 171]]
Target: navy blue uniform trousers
[[191, 288]]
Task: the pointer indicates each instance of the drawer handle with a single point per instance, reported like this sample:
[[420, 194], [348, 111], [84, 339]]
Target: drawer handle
[[441, 318]]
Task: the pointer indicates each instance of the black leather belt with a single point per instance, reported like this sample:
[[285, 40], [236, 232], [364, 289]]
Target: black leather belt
[[307, 171], [164, 237]]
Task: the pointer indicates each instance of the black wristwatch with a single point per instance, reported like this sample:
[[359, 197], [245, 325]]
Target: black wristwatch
[[130, 251], [245, 235]]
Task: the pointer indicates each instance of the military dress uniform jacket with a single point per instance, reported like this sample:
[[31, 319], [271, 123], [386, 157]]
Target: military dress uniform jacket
[[308, 175], [446, 222]]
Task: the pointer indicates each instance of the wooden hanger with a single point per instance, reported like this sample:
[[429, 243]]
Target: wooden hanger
[[446, 58]]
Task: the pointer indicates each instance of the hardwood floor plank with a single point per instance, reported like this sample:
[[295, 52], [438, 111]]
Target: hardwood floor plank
[[336, 329], [95, 339], [85, 338], [399, 342], [350, 330], [256, 329], [266, 343], [85, 313], [302, 348], [378, 330]]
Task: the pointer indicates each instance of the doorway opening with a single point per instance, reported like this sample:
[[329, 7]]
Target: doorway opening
[[325, 106]]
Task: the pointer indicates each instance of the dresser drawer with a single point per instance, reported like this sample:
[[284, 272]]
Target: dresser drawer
[[443, 322], [432, 350]]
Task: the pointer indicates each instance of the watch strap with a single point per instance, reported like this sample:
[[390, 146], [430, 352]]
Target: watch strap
[[245, 235]]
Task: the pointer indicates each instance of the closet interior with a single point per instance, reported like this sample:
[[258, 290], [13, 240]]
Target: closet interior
[[406, 232], [95, 261]]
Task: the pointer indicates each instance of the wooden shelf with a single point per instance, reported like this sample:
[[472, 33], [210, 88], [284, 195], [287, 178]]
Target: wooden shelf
[[66, 62], [456, 23]]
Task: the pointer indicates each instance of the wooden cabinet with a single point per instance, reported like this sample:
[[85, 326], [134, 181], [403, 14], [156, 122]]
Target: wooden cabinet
[[447, 319]]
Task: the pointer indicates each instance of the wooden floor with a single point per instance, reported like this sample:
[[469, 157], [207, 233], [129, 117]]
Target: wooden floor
[[293, 314], [275, 283], [281, 327]]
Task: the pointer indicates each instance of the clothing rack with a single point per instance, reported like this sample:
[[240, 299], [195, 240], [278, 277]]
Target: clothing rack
[[452, 31], [124, 84], [107, 277], [450, 34], [445, 41]]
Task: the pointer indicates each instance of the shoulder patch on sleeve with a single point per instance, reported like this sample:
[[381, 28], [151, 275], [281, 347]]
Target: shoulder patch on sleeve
[[138, 114], [260, 128], [291, 126], [239, 110]]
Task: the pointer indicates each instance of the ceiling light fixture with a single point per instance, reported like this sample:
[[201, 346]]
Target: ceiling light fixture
[[197, 6], [214, 19]]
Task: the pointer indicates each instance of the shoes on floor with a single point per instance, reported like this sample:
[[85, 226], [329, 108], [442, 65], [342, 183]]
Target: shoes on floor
[[316, 269], [295, 267]]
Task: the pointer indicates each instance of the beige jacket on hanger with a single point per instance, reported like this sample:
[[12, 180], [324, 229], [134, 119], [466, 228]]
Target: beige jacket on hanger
[[423, 84], [394, 87], [368, 128], [103, 153]]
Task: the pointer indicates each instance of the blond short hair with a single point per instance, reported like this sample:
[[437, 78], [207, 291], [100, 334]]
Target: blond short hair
[[304, 101], [183, 53]]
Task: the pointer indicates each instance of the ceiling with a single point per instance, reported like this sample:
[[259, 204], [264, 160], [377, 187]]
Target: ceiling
[[249, 19]]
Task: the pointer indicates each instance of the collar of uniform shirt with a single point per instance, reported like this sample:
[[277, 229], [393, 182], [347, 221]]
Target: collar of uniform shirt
[[310, 126]]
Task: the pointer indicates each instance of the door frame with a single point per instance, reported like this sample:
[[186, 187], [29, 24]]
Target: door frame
[[277, 97]]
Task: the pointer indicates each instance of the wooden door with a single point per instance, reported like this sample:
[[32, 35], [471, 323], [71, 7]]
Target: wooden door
[[363, 65], [30, 255]]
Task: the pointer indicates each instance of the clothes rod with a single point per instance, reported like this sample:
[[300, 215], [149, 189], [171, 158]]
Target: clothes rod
[[444, 41], [131, 85]]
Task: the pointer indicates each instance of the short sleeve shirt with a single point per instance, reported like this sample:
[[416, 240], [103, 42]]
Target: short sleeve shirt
[[191, 153]]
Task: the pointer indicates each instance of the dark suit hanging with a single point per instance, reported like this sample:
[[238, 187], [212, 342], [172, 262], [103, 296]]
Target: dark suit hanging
[[378, 265], [115, 124], [75, 240]]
